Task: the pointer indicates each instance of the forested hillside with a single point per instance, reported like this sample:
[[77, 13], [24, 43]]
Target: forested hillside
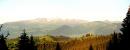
[[65, 43]]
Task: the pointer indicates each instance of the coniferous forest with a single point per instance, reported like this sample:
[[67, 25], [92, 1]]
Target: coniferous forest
[[25, 41]]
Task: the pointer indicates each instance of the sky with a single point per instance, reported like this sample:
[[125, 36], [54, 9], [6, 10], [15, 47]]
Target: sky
[[91, 10]]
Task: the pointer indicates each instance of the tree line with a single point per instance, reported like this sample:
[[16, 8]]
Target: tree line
[[25, 42]]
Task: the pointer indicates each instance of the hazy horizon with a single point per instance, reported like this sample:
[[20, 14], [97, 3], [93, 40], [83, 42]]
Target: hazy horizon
[[63, 19], [15, 10]]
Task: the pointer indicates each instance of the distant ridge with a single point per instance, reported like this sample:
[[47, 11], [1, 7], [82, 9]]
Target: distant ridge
[[66, 27]]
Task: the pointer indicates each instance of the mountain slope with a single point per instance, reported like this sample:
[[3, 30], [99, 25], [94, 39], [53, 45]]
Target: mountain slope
[[60, 27]]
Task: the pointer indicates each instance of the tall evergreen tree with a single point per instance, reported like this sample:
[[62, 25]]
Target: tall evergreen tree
[[23, 43], [90, 48], [3, 45], [114, 42], [58, 46], [125, 39], [44, 46], [32, 44]]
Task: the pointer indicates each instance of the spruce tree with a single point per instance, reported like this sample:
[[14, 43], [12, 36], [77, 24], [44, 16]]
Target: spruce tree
[[44, 46], [125, 39], [58, 46], [114, 42], [90, 48], [23, 43], [3, 45], [32, 44]]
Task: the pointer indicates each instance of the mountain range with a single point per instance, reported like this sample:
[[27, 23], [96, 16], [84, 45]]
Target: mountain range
[[57, 27]]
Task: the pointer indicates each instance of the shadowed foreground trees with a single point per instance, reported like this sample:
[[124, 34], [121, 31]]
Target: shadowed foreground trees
[[25, 43], [114, 43], [58, 46], [123, 42], [125, 39], [32, 43], [91, 47], [3, 45]]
